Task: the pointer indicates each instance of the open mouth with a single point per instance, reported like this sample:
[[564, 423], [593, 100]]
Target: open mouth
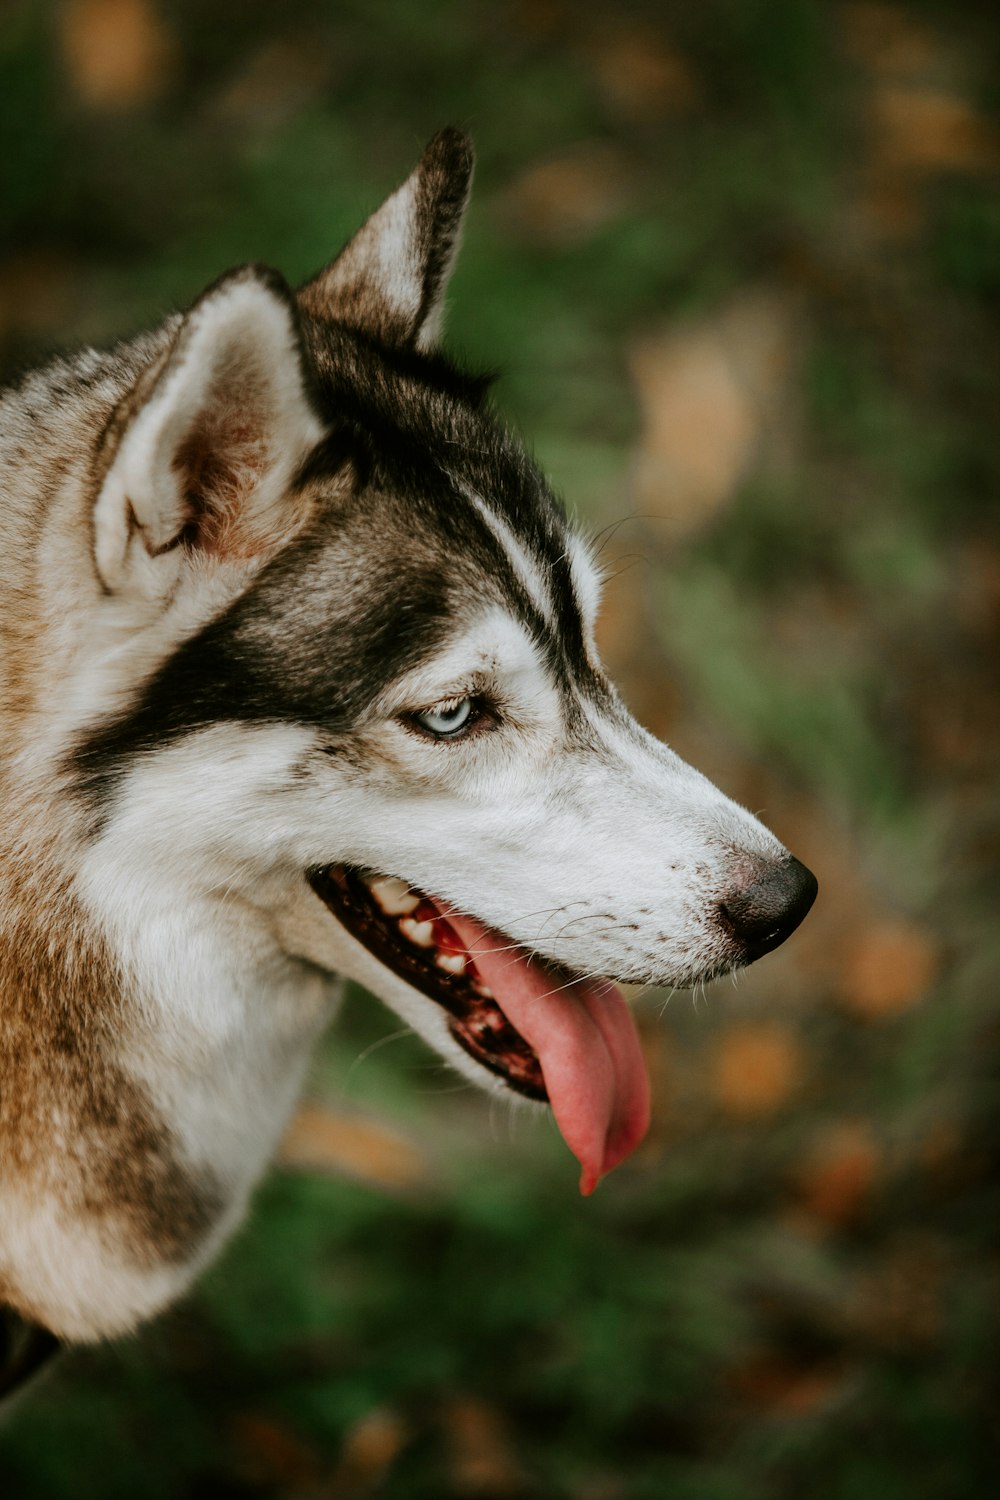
[[551, 1035], [408, 932]]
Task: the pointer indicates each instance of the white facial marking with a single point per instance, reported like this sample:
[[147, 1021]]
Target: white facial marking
[[587, 578], [524, 566]]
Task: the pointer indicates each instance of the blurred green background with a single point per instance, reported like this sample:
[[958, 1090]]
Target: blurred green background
[[738, 265]]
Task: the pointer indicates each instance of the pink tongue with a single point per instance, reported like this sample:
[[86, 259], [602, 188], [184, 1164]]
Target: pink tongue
[[586, 1043]]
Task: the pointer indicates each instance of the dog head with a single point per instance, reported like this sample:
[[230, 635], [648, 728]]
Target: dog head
[[347, 678]]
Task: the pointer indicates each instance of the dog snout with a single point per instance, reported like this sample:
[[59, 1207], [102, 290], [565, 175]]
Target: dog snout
[[767, 910]]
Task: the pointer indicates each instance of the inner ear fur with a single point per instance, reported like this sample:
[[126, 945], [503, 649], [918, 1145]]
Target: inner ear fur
[[203, 452], [390, 280]]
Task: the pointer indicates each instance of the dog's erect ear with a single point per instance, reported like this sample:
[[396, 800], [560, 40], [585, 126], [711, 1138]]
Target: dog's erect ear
[[391, 278], [200, 455]]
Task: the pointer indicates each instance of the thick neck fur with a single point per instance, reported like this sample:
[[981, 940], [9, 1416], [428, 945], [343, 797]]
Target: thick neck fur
[[79, 1140], [90, 1173]]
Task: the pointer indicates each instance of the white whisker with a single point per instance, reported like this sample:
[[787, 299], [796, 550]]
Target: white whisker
[[670, 996], [376, 1046]]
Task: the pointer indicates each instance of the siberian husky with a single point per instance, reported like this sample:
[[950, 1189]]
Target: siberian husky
[[298, 679]]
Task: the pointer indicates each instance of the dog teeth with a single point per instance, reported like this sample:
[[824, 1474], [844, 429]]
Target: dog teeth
[[393, 896], [483, 990], [421, 933], [452, 963]]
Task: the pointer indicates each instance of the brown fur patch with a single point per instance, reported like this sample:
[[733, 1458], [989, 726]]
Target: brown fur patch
[[74, 1127]]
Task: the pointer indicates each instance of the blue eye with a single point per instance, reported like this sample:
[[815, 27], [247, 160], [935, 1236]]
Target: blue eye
[[448, 719]]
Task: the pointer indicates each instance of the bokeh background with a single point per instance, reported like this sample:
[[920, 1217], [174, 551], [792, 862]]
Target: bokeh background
[[737, 263]]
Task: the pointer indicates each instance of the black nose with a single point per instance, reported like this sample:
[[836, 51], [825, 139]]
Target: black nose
[[764, 913]]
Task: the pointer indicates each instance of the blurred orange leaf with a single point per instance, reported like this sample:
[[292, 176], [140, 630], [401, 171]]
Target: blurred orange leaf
[[888, 39], [118, 52], [887, 969], [925, 130], [707, 392], [566, 199], [326, 1140], [483, 1461], [756, 1070], [278, 81], [269, 1451], [786, 1387], [641, 73], [838, 1178], [370, 1448]]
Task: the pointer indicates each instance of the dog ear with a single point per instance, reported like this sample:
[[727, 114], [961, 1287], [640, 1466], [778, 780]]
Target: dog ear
[[390, 280], [199, 456]]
